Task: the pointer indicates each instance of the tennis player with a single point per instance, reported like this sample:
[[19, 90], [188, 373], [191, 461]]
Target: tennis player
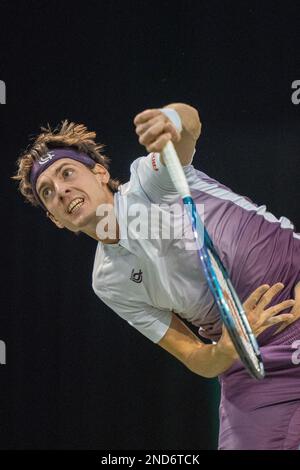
[[154, 282]]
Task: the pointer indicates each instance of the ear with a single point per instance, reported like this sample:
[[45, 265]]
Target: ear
[[101, 173], [53, 219]]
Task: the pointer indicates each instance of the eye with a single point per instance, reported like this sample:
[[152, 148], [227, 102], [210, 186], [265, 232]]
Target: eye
[[46, 193], [67, 172]]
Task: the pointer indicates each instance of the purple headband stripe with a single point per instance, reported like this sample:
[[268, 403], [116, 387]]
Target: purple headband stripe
[[51, 157]]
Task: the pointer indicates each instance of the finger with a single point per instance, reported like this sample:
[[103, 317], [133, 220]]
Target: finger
[[161, 128], [295, 316], [152, 134], [142, 128], [284, 317], [284, 325], [272, 311], [173, 131], [254, 298], [168, 127], [270, 294], [160, 143], [145, 116]]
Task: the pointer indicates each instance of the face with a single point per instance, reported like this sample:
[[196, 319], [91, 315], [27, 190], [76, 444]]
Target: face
[[72, 192]]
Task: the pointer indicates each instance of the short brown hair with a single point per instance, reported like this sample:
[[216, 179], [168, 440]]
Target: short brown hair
[[67, 134]]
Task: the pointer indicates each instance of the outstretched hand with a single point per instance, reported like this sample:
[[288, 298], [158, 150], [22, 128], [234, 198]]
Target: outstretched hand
[[260, 317]]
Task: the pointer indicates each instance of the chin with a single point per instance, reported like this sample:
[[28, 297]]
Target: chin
[[83, 220]]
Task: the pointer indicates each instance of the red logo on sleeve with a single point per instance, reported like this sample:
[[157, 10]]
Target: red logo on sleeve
[[153, 160]]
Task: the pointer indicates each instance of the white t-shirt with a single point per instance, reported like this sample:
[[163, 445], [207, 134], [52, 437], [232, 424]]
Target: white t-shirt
[[144, 280]]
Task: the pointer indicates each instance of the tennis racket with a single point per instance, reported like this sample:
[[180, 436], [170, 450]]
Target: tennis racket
[[226, 298]]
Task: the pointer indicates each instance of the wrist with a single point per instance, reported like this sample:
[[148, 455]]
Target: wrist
[[189, 118], [174, 117], [226, 351]]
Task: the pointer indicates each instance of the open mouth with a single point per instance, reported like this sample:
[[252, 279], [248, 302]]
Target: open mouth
[[75, 205]]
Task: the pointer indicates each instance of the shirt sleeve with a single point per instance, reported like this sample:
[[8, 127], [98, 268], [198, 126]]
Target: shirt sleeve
[[154, 179], [150, 321]]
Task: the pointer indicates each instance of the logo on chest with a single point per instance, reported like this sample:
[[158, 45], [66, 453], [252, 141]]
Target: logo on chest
[[136, 276]]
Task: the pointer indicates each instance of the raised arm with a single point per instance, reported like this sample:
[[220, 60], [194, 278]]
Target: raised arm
[[155, 129]]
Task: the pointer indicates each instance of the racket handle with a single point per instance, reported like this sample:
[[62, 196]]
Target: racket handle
[[175, 170]]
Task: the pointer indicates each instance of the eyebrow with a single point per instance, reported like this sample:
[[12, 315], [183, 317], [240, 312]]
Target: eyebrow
[[55, 173]]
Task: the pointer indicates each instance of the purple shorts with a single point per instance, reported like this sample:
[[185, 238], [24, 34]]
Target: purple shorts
[[264, 414]]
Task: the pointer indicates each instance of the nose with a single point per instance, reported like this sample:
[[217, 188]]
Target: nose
[[62, 189]]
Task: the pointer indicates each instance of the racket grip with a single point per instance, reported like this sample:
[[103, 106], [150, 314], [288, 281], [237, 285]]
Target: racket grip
[[175, 170]]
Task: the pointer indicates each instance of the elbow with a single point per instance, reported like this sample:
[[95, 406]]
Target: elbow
[[198, 125], [195, 122], [210, 375]]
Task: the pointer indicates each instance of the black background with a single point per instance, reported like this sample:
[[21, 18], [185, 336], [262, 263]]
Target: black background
[[77, 376]]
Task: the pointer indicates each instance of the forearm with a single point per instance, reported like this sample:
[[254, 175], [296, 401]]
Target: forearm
[[210, 360], [207, 360], [189, 118], [191, 130]]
